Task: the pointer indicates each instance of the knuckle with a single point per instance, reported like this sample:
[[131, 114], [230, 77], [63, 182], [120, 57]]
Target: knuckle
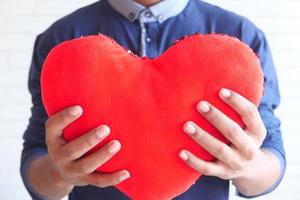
[[249, 152], [83, 168], [234, 131], [200, 136], [237, 165], [91, 140], [70, 153], [64, 118], [213, 117], [251, 111], [205, 170], [220, 150]]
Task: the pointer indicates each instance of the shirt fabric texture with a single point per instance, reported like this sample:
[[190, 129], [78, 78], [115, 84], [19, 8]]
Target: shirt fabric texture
[[149, 32]]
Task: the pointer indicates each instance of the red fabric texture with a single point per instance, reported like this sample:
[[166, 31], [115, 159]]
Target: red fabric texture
[[145, 101]]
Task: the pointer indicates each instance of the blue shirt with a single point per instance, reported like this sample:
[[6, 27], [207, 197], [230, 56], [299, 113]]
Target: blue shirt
[[149, 32]]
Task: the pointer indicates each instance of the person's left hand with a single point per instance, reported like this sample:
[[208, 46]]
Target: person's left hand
[[233, 159]]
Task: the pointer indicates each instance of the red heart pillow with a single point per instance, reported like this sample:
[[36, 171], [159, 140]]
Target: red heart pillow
[[146, 101]]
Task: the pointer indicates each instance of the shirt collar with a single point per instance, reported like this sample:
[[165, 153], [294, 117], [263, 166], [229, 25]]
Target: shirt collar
[[160, 12]]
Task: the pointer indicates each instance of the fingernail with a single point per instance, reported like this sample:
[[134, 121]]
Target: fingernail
[[114, 147], [203, 107], [124, 175], [225, 93], [183, 155], [75, 110], [102, 131], [190, 128]]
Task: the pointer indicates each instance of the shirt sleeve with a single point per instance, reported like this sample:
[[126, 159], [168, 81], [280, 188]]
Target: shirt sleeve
[[270, 101], [34, 144]]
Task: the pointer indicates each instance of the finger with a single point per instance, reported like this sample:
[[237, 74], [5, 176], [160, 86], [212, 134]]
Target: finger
[[229, 128], [104, 180], [78, 147], [214, 146], [56, 123], [246, 109], [203, 167], [90, 163]]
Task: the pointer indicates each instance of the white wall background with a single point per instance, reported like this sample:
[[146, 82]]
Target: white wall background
[[21, 21]]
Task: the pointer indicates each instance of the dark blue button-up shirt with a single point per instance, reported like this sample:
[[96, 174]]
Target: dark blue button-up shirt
[[149, 32]]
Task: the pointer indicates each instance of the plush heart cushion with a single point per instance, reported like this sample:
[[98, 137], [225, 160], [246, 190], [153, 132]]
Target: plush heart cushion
[[146, 101]]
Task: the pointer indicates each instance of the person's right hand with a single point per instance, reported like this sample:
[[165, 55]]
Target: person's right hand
[[67, 157]]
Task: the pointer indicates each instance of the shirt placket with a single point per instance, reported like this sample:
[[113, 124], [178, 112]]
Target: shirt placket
[[145, 16]]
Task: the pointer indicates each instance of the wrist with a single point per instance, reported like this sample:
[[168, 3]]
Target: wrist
[[247, 179], [55, 177], [247, 173], [45, 179]]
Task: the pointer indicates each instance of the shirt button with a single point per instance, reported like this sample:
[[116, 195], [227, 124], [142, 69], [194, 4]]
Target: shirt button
[[147, 14], [131, 15], [160, 17], [148, 39]]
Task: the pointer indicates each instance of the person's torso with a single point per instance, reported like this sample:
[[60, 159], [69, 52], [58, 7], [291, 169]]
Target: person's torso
[[196, 17]]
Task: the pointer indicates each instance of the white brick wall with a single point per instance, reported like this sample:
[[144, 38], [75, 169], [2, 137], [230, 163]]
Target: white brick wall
[[21, 21]]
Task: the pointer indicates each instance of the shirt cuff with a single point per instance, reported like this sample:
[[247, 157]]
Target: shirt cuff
[[282, 162], [25, 172]]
